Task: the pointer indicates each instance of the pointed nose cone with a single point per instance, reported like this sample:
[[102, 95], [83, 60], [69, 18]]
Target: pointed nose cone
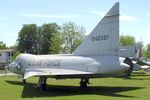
[[11, 67]]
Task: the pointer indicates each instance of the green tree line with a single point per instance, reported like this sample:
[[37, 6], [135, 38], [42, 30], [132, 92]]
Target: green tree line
[[2, 45], [50, 38]]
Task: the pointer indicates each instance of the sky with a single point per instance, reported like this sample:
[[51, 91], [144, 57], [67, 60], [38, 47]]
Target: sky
[[134, 16]]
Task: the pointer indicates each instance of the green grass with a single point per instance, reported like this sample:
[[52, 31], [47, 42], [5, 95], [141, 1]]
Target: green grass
[[2, 71], [136, 87]]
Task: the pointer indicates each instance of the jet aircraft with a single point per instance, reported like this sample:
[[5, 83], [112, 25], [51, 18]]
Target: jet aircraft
[[96, 57]]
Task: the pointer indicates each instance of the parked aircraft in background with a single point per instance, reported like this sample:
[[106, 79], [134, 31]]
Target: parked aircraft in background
[[128, 51], [97, 56], [147, 62], [145, 65], [135, 55]]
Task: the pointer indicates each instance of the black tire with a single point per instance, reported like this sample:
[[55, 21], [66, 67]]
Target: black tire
[[43, 87], [83, 84]]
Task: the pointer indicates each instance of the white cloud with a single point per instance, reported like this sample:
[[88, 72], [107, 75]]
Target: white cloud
[[10, 34], [99, 13], [128, 18], [146, 30], [9, 38], [142, 34], [51, 16]]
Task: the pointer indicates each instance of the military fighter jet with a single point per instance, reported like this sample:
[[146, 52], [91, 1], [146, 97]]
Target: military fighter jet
[[96, 57]]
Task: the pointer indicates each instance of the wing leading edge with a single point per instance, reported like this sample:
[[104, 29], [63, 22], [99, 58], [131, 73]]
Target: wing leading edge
[[52, 72]]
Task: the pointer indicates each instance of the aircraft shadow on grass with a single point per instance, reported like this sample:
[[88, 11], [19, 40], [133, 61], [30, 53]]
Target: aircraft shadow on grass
[[138, 76], [59, 90], [131, 78]]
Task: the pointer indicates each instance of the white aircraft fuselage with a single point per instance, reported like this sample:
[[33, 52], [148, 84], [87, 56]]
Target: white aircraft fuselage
[[102, 65]]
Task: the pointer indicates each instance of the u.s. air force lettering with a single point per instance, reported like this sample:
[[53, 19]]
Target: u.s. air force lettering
[[48, 63], [100, 37]]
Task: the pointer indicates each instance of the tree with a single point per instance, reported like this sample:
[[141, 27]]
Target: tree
[[46, 33], [127, 40], [15, 55], [13, 47], [48, 38], [72, 36], [56, 45], [27, 39], [147, 51], [2, 45]]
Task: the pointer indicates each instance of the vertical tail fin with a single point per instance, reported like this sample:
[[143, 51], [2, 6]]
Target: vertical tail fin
[[138, 55], [104, 39]]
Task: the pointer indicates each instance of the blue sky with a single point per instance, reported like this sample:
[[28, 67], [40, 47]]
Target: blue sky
[[134, 19]]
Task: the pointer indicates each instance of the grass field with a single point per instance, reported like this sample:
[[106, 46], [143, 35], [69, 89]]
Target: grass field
[[2, 71], [136, 87]]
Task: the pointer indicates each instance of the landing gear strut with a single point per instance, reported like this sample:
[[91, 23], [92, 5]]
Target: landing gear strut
[[24, 81], [42, 83], [84, 82]]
